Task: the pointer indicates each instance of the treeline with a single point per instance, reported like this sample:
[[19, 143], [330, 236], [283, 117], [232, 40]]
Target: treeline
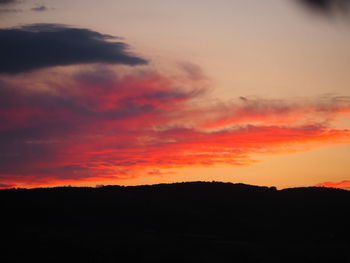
[[199, 221]]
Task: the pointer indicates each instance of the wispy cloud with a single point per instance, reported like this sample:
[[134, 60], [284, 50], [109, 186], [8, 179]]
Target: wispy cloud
[[7, 6], [4, 186], [10, 10], [343, 185], [40, 8]]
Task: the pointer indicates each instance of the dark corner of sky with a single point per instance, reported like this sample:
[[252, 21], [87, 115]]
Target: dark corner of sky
[[326, 7]]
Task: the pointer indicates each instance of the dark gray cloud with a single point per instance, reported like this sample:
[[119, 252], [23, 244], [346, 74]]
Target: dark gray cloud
[[327, 6], [5, 2], [45, 45]]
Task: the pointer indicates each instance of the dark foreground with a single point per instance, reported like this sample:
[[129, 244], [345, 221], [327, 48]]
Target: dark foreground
[[189, 222]]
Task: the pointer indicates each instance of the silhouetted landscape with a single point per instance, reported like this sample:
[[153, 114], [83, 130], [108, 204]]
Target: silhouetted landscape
[[181, 222]]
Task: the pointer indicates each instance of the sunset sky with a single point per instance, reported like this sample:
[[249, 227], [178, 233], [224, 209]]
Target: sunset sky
[[157, 91]]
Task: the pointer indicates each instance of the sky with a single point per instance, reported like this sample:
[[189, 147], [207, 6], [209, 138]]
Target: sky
[[159, 91]]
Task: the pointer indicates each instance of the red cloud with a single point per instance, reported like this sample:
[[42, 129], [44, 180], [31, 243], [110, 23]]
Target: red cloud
[[343, 185], [96, 126]]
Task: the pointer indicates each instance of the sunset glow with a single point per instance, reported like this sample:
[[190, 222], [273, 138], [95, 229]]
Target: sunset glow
[[82, 107]]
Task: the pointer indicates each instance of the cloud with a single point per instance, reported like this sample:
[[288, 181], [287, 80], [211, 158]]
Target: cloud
[[327, 6], [343, 185], [259, 111], [40, 8], [99, 124], [46, 45]]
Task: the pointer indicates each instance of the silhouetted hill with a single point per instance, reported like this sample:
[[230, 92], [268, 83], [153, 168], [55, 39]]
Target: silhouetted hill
[[204, 222]]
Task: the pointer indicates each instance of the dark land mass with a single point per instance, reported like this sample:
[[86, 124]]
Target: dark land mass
[[182, 222]]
